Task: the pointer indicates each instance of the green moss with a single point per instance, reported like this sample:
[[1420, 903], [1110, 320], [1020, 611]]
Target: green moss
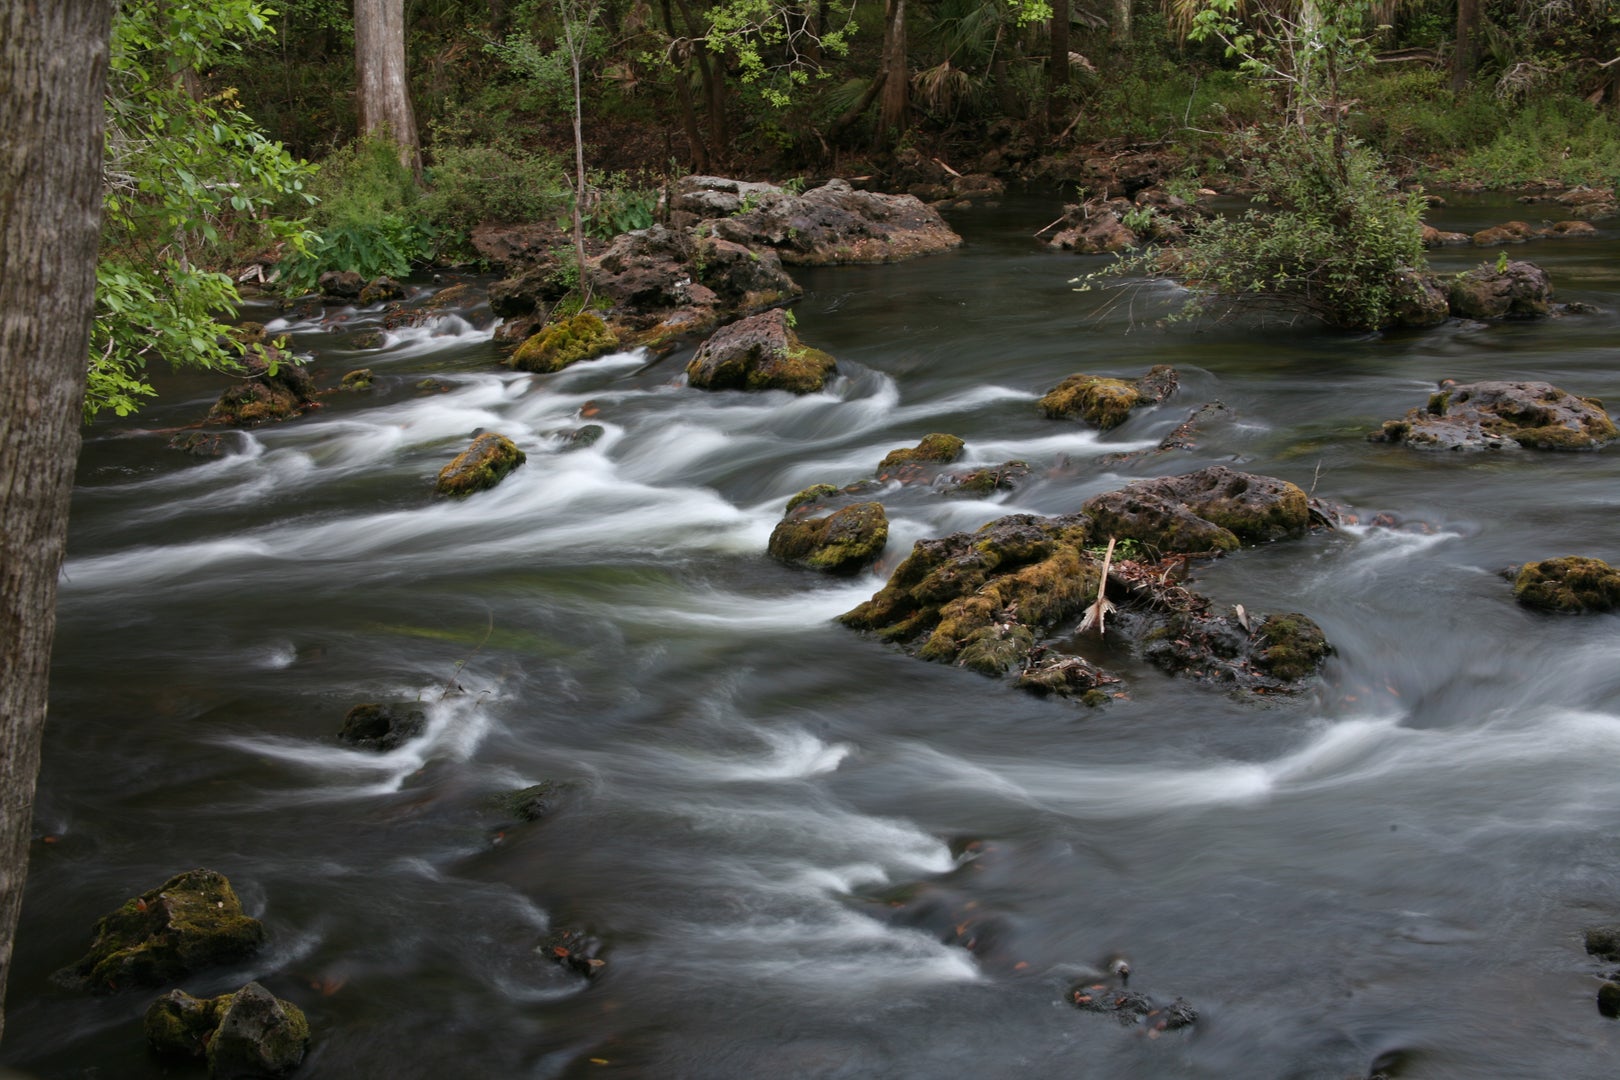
[[1294, 648], [1438, 402], [565, 342], [1594, 432], [802, 370], [810, 494], [479, 467], [1571, 585], [839, 543], [1100, 401], [996, 649], [178, 1025], [1095, 697], [360, 379], [934, 449]]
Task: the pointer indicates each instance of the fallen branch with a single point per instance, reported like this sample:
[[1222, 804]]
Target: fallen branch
[[1100, 608]]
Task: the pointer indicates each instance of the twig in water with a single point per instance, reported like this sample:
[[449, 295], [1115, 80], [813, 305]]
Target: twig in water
[[465, 660], [1101, 606], [1043, 228], [1317, 475]]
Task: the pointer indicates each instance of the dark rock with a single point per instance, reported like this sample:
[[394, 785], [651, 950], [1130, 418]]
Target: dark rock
[[1502, 415], [459, 295], [842, 542], [381, 727], [936, 449], [381, 291], [745, 280], [259, 1035], [1291, 647], [1519, 290], [980, 483], [203, 444], [1106, 402], [1131, 1008], [1603, 942], [1608, 1000], [340, 284], [828, 225], [1184, 436], [190, 922], [1570, 585], [1420, 300], [359, 379], [1212, 509], [179, 1026], [760, 353], [534, 802], [479, 467], [277, 387], [368, 339], [565, 342], [582, 437], [530, 291], [574, 950]]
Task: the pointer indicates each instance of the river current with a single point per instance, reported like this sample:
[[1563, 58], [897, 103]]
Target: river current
[[804, 853]]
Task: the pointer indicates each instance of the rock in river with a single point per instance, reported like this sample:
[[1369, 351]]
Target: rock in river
[[1502, 415], [842, 542], [479, 467], [760, 353], [1570, 585], [1105, 402], [250, 1033]]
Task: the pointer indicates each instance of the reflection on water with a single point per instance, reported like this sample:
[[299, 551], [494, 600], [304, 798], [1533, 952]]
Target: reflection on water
[[785, 834]]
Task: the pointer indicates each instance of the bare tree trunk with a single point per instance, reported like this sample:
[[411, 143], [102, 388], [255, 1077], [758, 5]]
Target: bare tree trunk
[[1121, 22], [712, 69], [53, 79], [683, 93], [383, 96], [1465, 57], [1057, 66], [897, 82]]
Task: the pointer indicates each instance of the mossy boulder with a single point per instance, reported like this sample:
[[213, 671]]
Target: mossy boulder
[[760, 353], [1419, 300], [340, 285], [842, 542], [371, 726], [1603, 942], [1498, 415], [981, 483], [1213, 509], [1105, 402], [1291, 646], [250, 1033], [359, 379], [934, 449], [1519, 290], [533, 802], [812, 494], [481, 466], [190, 922], [381, 290], [1571, 585], [567, 341], [1608, 1000], [276, 386]]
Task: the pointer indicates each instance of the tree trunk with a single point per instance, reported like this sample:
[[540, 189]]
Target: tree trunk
[[1465, 57], [712, 70], [896, 101], [1121, 22], [1057, 66], [683, 94], [53, 78], [383, 93]]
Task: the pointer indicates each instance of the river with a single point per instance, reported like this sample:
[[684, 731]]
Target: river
[[785, 834]]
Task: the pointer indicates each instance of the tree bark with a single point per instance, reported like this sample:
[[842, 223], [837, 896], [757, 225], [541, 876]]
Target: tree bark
[[1465, 57], [896, 101], [383, 93], [712, 70], [1121, 22], [683, 94], [53, 79]]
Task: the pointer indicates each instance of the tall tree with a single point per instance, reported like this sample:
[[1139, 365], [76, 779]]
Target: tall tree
[[896, 91], [1465, 57], [53, 73], [384, 91]]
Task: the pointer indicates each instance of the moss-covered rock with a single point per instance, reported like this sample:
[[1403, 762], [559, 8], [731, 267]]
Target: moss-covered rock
[[812, 494], [760, 353], [1519, 290], [250, 1033], [381, 290], [275, 387], [533, 802], [979, 483], [936, 449], [1608, 1000], [1214, 509], [1105, 402], [479, 467], [359, 379], [190, 922], [371, 726], [842, 542], [1292, 647], [1497, 415], [1571, 585], [565, 342]]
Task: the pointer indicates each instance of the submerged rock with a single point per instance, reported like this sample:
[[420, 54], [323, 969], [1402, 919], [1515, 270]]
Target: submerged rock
[[1106, 402], [479, 467], [1501, 415], [565, 342], [358, 379], [1519, 290], [842, 542], [1131, 1008], [573, 949], [190, 922], [1570, 585], [760, 353], [251, 1033], [535, 801], [936, 449], [381, 727]]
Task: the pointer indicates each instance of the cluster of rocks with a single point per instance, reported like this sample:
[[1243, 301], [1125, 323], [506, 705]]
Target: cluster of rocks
[[192, 922], [1107, 225], [1501, 415], [1509, 232]]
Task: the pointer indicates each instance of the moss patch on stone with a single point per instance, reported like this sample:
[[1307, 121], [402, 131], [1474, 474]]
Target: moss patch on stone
[[936, 449], [1571, 585], [811, 494], [839, 543], [565, 342], [1293, 647], [1102, 402], [479, 467]]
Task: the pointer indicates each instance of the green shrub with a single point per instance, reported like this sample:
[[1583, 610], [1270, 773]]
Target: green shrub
[[367, 219], [499, 182]]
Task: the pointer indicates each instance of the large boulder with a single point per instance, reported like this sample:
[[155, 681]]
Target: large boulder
[[1498, 415], [190, 922], [1570, 585], [828, 225], [760, 353], [249, 1033], [1518, 290], [567, 341], [1106, 402], [842, 542], [277, 387], [479, 467], [1213, 509]]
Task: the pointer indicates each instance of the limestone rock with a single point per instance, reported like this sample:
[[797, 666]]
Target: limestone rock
[[565, 342], [1519, 290], [831, 224], [1106, 402], [936, 449], [760, 353], [1212, 509], [248, 1034], [1497, 415]]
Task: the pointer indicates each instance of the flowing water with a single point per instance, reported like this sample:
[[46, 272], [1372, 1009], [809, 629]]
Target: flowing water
[[805, 853]]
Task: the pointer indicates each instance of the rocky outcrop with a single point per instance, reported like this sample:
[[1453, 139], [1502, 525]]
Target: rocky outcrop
[[250, 1033], [190, 922], [828, 225], [1518, 290], [1106, 402], [1501, 415], [843, 542], [481, 466], [1419, 300], [382, 728], [1131, 1008], [760, 353], [1570, 585], [1213, 509], [568, 341]]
